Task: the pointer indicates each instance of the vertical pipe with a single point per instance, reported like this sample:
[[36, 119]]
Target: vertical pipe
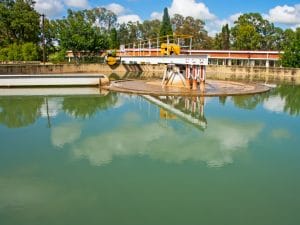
[[187, 76], [43, 38], [149, 47], [194, 78], [202, 80]]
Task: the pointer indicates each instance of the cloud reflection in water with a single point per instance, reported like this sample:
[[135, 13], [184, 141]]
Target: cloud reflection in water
[[216, 146]]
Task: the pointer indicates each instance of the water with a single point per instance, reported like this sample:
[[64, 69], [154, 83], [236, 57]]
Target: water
[[120, 159]]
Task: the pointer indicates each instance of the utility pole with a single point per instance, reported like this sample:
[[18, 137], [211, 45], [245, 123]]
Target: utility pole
[[43, 37]]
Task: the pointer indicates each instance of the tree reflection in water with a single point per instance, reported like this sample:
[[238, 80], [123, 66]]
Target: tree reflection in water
[[87, 106], [291, 95], [249, 101], [23, 111], [20, 111]]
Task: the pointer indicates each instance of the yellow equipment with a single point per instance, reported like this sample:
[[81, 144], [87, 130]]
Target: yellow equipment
[[111, 58], [169, 49]]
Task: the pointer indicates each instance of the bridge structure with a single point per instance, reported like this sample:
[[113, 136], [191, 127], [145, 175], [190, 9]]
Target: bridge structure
[[185, 65]]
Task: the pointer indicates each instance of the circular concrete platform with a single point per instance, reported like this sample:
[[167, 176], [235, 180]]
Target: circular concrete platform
[[212, 88]]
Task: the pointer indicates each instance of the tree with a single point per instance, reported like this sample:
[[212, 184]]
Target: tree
[[102, 18], [195, 28], [113, 39], [19, 22], [150, 29], [291, 55], [225, 37], [79, 32], [246, 38], [166, 27], [262, 30], [222, 40]]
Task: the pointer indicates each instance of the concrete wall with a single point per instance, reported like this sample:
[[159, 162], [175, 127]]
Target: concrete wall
[[213, 71], [71, 68], [274, 74]]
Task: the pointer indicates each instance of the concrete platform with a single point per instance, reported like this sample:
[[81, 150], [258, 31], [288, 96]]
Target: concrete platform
[[53, 80], [212, 88]]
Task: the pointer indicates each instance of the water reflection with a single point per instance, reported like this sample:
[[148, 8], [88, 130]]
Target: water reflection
[[136, 137], [291, 96], [215, 147], [23, 111], [190, 109], [86, 107], [65, 133], [249, 101], [19, 112]]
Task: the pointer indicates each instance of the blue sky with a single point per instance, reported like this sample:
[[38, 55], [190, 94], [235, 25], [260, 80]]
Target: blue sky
[[215, 13]]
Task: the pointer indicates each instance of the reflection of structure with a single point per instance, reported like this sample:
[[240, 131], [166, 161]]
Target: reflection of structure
[[164, 114], [189, 109]]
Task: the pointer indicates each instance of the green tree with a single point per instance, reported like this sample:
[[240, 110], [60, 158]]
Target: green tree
[[14, 52], [253, 24], [78, 32], [291, 55], [123, 34], [113, 39], [166, 27], [195, 28], [225, 34], [19, 22], [102, 18], [222, 39], [246, 38], [30, 52], [58, 56], [150, 29]]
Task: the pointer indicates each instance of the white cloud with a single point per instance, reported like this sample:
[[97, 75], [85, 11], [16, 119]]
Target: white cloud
[[274, 104], [191, 8], [127, 18], [116, 8], [49, 8], [199, 11], [187, 8], [156, 16], [77, 3], [234, 17], [214, 26], [289, 15]]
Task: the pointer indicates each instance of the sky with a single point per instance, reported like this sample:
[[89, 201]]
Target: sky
[[215, 13]]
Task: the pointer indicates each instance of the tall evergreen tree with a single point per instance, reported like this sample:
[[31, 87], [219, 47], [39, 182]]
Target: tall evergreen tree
[[225, 37], [166, 27]]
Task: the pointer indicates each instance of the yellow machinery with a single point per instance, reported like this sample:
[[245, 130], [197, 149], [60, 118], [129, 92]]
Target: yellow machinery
[[169, 49], [111, 58]]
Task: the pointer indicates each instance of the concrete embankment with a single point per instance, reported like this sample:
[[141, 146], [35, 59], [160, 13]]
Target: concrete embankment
[[270, 74], [6, 69]]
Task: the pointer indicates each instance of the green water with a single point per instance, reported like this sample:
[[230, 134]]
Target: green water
[[120, 159]]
